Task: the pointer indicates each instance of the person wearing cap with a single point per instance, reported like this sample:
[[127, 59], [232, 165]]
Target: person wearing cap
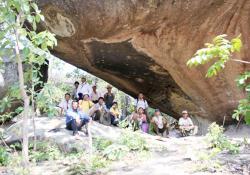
[[109, 97], [159, 123], [186, 125], [94, 96], [85, 104], [99, 112], [114, 114], [84, 87]]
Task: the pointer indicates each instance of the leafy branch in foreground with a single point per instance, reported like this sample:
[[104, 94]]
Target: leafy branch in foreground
[[221, 51]]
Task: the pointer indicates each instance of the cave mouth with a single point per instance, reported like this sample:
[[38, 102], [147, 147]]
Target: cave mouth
[[138, 69]]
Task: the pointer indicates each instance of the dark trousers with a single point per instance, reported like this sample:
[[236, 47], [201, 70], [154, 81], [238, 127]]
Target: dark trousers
[[113, 120], [73, 125]]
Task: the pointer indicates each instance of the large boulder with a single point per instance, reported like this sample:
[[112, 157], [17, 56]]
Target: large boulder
[[53, 130], [143, 46]]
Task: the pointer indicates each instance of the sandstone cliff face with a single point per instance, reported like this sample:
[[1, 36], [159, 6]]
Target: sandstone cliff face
[[143, 46]]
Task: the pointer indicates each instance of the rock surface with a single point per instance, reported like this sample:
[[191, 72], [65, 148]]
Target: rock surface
[[53, 130], [143, 46]]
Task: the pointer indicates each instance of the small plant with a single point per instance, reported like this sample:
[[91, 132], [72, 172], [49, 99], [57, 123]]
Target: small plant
[[45, 151], [133, 141], [217, 139], [4, 156], [79, 166], [101, 144], [115, 151]]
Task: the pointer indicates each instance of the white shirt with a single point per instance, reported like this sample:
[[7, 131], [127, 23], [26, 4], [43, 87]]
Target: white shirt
[[159, 121], [84, 88], [95, 96], [185, 122], [65, 105], [141, 104]]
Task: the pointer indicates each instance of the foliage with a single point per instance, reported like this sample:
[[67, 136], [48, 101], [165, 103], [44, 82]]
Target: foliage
[[79, 166], [218, 140], [133, 141], [4, 156], [244, 104], [101, 144], [45, 151], [124, 123], [15, 16], [15, 165], [48, 97], [207, 161], [221, 50], [115, 151]]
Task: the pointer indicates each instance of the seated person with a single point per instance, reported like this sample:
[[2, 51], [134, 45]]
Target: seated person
[[114, 114], [160, 125], [140, 119], [186, 125], [75, 119], [65, 104], [85, 104], [99, 112]]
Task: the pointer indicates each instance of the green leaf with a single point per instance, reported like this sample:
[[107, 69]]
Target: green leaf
[[247, 117], [236, 44]]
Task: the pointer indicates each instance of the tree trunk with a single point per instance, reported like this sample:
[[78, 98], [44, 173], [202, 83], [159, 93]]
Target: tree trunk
[[33, 108], [25, 144]]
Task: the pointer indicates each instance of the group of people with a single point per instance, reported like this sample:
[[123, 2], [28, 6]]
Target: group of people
[[86, 104]]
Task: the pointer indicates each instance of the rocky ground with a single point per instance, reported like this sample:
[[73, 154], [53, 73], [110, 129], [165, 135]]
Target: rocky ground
[[168, 156]]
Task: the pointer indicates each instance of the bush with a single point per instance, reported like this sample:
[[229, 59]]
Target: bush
[[217, 139], [101, 143], [115, 151], [81, 167], [133, 141], [4, 156], [45, 151], [48, 98]]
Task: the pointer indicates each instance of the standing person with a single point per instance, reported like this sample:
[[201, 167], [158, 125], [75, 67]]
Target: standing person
[[140, 102], [94, 96], [65, 104], [85, 104], [75, 119], [114, 114], [100, 112], [74, 93], [84, 87], [109, 97], [186, 125]]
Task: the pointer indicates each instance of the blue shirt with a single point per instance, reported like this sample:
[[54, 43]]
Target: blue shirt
[[72, 114]]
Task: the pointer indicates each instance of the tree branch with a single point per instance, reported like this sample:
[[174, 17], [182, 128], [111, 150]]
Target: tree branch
[[241, 61]]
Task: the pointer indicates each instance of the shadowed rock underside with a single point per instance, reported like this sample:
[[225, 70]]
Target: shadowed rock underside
[[143, 46]]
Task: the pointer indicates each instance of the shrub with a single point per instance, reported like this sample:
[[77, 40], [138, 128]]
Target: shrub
[[217, 139], [45, 151], [133, 141], [80, 167], [115, 151], [101, 143], [4, 156]]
